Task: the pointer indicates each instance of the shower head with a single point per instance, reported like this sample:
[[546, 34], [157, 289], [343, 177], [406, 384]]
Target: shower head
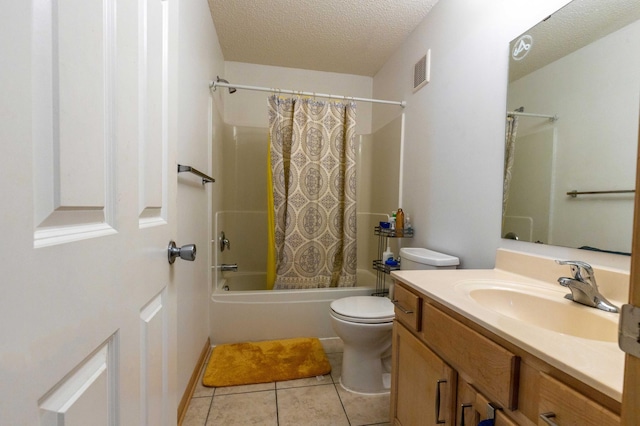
[[222, 80]]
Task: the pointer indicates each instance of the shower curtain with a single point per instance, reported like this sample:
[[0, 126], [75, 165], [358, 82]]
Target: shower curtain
[[509, 155], [313, 194]]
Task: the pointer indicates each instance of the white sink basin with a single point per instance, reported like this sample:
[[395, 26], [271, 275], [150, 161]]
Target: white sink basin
[[543, 308]]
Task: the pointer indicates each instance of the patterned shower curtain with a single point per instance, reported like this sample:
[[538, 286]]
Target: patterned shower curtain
[[314, 192], [509, 156]]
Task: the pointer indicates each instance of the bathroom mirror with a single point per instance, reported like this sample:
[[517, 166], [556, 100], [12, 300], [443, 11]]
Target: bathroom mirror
[[574, 90]]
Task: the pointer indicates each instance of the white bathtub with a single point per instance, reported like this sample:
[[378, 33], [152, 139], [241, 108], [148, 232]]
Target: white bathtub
[[245, 314]]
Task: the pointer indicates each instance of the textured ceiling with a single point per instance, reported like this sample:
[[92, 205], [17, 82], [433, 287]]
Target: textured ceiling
[[344, 36], [571, 28]]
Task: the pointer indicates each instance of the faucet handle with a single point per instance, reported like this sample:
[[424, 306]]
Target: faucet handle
[[580, 270]]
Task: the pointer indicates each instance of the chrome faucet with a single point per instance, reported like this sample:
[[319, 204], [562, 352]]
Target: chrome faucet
[[583, 286]]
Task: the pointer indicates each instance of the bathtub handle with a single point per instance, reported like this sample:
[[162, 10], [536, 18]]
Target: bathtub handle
[[224, 242]]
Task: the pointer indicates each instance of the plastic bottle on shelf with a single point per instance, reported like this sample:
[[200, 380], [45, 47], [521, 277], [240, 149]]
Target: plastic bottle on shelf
[[393, 220], [388, 254], [400, 221]]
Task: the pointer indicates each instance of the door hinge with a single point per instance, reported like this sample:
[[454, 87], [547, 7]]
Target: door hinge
[[629, 330]]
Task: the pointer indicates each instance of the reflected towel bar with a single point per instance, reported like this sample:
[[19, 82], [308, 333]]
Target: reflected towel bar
[[205, 178], [575, 193], [529, 114]]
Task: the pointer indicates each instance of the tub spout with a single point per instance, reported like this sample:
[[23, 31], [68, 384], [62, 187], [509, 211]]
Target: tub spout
[[233, 267]]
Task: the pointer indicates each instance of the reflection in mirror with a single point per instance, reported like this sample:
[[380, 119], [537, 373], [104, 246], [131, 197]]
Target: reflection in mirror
[[572, 125]]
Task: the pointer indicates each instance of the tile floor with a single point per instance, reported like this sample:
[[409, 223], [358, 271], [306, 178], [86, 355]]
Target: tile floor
[[315, 401]]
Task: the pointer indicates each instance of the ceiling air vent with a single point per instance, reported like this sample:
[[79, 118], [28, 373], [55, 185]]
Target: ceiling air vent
[[421, 71]]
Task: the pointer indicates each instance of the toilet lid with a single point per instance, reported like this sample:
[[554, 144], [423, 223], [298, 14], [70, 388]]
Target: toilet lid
[[363, 309]]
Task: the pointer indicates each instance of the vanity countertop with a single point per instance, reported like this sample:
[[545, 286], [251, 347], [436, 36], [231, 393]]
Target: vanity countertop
[[599, 364]]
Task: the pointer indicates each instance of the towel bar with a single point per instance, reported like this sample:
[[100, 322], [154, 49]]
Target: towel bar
[[575, 193], [205, 178]]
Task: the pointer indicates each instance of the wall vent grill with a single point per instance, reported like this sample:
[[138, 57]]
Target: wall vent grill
[[421, 71]]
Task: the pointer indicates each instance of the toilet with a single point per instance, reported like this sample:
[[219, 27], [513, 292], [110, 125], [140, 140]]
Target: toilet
[[364, 324]]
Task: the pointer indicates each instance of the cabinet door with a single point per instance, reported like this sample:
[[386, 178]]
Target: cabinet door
[[423, 386], [568, 407], [473, 407], [467, 413]]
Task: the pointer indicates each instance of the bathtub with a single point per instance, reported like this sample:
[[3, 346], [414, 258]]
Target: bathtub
[[246, 313]]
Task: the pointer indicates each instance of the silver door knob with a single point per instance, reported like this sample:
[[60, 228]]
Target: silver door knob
[[186, 252]]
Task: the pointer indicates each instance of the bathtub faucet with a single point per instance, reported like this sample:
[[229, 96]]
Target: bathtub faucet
[[233, 267]]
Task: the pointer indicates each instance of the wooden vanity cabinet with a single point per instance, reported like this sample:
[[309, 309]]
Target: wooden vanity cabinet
[[430, 345], [423, 386]]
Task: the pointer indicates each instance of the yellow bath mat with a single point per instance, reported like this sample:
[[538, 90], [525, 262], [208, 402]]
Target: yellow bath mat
[[263, 362]]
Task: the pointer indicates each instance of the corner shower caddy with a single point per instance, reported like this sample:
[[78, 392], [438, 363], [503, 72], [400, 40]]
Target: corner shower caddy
[[382, 270]]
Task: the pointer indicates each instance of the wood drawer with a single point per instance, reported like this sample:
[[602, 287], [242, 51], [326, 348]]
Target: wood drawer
[[495, 370], [570, 407], [408, 306]]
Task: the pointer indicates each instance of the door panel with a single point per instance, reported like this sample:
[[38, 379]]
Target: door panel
[[87, 173], [73, 120], [87, 395], [153, 110], [153, 360]]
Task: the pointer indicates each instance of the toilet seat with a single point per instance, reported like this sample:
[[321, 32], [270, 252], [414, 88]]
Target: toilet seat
[[363, 309]]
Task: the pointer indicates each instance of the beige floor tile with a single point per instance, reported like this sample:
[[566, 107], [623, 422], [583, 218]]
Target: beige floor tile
[[310, 381], [197, 411], [335, 360], [201, 390], [332, 345], [255, 408], [230, 390], [313, 405], [365, 409]]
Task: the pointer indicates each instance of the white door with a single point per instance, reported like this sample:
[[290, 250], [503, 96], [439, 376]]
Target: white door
[[87, 190]]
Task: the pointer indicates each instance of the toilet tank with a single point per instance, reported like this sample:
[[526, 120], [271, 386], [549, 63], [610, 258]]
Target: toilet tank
[[421, 258]]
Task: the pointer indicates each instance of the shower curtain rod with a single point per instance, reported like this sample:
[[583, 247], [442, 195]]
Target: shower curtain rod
[[215, 84], [529, 114]]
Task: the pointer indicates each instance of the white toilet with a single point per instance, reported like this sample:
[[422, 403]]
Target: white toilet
[[364, 324]]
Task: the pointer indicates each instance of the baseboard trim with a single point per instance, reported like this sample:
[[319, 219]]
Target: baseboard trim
[[191, 387]]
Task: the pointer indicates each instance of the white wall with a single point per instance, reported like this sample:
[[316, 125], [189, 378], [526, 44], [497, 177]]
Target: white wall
[[454, 131], [378, 185], [199, 121], [249, 108]]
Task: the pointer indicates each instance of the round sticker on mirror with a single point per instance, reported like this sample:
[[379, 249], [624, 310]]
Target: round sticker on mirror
[[522, 47]]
